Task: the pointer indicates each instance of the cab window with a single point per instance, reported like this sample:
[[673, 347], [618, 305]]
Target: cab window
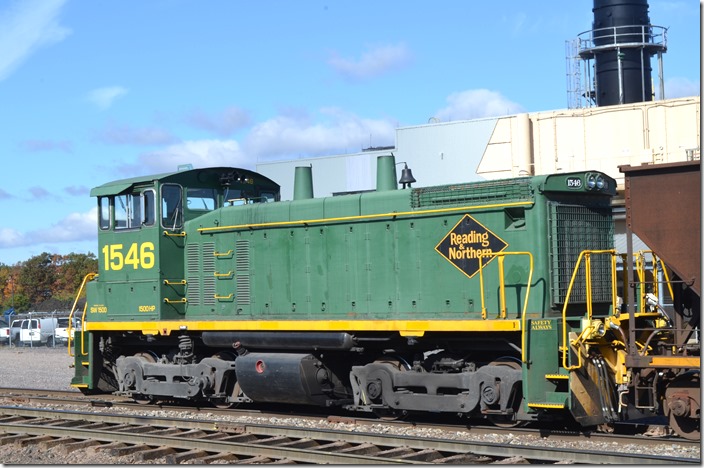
[[268, 197], [148, 208], [104, 213], [171, 206], [127, 211], [201, 199]]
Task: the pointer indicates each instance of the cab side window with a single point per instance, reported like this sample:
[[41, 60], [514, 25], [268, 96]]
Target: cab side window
[[148, 208], [171, 206], [130, 211], [127, 211], [201, 199], [104, 213]]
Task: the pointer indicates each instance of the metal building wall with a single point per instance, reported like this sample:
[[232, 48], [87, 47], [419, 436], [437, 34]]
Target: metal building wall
[[503, 147]]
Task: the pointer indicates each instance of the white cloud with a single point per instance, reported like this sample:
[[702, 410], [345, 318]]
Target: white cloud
[[25, 27], [291, 134], [75, 227], [104, 97], [12, 238], [375, 62], [475, 104], [199, 153], [295, 135]]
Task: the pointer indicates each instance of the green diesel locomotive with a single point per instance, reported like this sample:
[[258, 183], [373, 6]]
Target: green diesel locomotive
[[493, 299]]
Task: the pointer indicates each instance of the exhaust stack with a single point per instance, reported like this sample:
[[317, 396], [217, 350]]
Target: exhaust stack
[[621, 42], [303, 183], [386, 173]]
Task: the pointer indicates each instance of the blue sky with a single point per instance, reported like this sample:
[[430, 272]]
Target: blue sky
[[92, 91]]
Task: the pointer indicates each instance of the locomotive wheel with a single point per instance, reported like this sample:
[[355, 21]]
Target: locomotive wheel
[[232, 387], [681, 399], [389, 414], [386, 413], [138, 397], [500, 420]]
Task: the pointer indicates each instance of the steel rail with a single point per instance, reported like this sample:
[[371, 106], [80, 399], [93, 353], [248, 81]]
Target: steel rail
[[372, 448], [73, 397]]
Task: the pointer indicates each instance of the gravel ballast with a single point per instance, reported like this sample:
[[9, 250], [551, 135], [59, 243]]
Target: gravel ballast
[[51, 369]]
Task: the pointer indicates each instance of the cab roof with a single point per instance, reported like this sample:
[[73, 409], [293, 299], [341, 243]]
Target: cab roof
[[117, 187]]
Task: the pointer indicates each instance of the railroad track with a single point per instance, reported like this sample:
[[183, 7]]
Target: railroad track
[[72, 397], [177, 440]]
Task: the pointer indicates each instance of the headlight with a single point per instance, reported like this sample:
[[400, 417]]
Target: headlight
[[600, 182], [591, 181]]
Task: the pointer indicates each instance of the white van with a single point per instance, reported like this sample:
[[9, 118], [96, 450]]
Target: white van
[[38, 331]]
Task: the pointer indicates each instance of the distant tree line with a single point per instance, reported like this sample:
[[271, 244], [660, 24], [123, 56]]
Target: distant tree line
[[45, 282]]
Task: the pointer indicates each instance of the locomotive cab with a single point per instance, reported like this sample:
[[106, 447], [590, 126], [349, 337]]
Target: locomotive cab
[[141, 237]]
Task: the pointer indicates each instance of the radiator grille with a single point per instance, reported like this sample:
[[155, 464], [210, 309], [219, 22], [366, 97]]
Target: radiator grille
[[242, 262], [208, 273], [475, 193], [200, 274], [575, 228]]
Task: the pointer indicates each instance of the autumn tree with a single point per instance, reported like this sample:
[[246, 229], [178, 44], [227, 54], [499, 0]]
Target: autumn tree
[[11, 292], [71, 269], [37, 277]]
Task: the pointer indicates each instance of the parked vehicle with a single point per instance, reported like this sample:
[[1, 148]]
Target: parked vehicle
[[15, 331], [38, 331], [61, 333], [4, 332]]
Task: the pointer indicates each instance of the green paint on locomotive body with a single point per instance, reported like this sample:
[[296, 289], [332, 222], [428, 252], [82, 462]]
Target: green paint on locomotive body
[[397, 254], [386, 255]]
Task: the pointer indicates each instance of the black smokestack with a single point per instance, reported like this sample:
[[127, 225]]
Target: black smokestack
[[622, 50]]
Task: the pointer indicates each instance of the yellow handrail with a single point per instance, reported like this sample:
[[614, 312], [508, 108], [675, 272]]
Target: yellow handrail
[[175, 283], [178, 234], [502, 289], [586, 254], [179, 301], [86, 279], [222, 254], [641, 268]]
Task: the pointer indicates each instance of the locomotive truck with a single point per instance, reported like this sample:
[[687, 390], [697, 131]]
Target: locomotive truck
[[496, 299]]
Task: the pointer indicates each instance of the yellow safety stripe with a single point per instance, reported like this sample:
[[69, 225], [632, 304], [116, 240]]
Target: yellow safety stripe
[[392, 214], [404, 327]]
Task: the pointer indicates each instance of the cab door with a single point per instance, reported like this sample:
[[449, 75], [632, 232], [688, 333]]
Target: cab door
[[128, 283]]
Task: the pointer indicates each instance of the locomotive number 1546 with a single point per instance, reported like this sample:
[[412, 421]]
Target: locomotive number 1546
[[118, 256]]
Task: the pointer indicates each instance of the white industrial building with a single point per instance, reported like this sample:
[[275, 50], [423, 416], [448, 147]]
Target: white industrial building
[[595, 138]]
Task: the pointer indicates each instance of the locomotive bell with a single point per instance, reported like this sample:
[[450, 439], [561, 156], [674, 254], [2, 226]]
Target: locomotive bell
[[406, 176]]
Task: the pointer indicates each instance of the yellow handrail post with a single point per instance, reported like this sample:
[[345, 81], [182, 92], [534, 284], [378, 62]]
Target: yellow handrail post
[[481, 287], [525, 307], [86, 279], [502, 287], [586, 254], [588, 282], [614, 288]]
